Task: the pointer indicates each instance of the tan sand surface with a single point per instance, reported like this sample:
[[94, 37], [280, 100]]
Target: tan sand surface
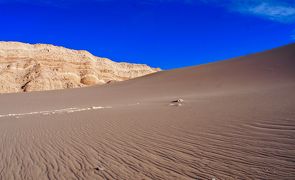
[[237, 121]]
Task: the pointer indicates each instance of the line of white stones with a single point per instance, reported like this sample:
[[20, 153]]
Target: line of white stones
[[58, 111]]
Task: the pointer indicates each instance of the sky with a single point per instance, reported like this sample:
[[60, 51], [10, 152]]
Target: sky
[[161, 33]]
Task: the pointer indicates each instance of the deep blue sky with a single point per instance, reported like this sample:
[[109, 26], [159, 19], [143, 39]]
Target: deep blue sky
[[161, 33]]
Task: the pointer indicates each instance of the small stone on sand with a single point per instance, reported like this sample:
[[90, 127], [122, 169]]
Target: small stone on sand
[[178, 101]]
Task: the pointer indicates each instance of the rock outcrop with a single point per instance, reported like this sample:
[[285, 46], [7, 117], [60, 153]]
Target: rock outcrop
[[38, 67]]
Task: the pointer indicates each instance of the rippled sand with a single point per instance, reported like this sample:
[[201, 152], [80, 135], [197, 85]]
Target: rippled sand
[[237, 121]]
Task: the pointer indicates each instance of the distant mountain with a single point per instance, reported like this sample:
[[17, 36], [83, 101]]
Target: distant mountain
[[38, 67]]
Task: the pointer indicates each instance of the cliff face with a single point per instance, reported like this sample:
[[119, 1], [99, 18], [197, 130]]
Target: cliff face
[[26, 67]]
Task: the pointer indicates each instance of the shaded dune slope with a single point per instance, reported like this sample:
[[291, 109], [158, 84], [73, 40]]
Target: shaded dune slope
[[237, 122]]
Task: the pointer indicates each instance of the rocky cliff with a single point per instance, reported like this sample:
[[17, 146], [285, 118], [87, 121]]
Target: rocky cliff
[[38, 67]]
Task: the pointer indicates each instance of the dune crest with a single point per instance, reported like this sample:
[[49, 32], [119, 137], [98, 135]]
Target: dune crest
[[229, 120], [26, 67]]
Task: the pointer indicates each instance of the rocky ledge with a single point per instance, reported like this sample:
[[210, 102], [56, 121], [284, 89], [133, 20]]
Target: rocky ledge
[[37, 67]]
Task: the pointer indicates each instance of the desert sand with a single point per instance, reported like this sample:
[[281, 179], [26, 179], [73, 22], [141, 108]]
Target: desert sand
[[39, 67], [236, 121]]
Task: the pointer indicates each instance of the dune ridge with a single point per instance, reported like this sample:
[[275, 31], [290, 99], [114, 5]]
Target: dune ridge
[[237, 121]]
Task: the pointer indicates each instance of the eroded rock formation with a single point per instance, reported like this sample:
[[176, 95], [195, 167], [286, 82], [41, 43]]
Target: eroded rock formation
[[26, 67]]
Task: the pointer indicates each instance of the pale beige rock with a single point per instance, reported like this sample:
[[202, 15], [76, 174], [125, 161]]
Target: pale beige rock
[[27, 67], [91, 80]]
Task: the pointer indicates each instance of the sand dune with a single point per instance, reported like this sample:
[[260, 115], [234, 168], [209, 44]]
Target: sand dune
[[237, 121]]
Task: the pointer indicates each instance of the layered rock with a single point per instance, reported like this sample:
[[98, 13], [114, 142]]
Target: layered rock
[[26, 67]]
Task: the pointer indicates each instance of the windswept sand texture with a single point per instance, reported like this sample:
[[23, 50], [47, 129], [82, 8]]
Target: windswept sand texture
[[26, 67], [237, 121]]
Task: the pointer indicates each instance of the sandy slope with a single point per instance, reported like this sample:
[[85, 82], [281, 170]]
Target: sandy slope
[[237, 122]]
